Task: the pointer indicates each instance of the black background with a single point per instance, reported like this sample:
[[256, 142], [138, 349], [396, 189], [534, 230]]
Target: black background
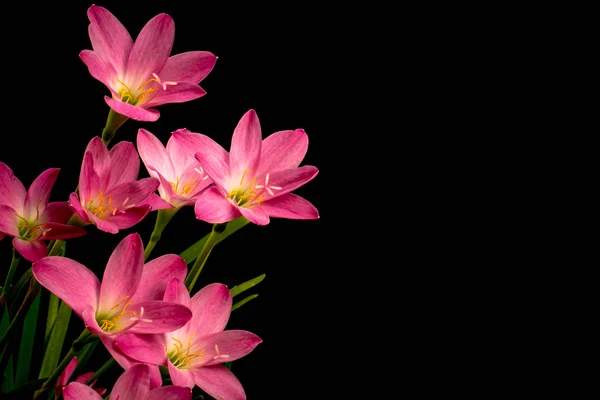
[[276, 60]]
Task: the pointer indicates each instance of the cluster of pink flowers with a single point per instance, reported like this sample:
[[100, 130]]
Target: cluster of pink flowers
[[143, 312]]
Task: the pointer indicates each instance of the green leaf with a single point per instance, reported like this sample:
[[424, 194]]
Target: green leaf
[[55, 344], [22, 391], [51, 317], [192, 252], [242, 302], [246, 285], [27, 340], [9, 373], [18, 292]]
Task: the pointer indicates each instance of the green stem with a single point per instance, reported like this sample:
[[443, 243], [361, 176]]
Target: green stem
[[163, 217], [113, 122], [34, 288], [11, 273], [192, 277], [53, 300], [101, 370]]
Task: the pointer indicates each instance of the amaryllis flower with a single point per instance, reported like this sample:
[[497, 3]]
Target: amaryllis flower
[[141, 75], [127, 300], [182, 178], [255, 179], [27, 216], [194, 353], [133, 384], [110, 196], [65, 375]]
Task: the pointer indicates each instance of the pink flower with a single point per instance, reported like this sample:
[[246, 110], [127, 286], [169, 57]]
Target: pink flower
[[141, 75], [29, 218], [110, 196], [255, 179], [182, 179], [133, 384], [65, 375], [127, 300], [193, 354]]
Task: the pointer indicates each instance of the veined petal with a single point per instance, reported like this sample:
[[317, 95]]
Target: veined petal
[[64, 376], [124, 164], [157, 274], [100, 69], [75, 206], [191, 67], [219, 382], [9, 221], [157, 317], [121, 358], [289, 206], [176, 292], [155, 202], [256, 215], [133, 191], [133, 384], [101, 160], [12, 191], [171, 393], [245, 145], [131, 111], [70, 281], [109, 37], [181, 377], [38, 194], [123, 272], [180, 154], [79, 391], [151, 49], [54, 231], [288, 180], [282, 150], [31, 250], [144, 348], [103, 224], [130, 217], [211, 308], [57, 211], [212, 206], [229, 345], [89, 180], [154, 154], [179, 93]]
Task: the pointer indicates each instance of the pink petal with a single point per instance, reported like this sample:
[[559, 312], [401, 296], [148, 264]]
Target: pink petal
[[83, 378], [130, 194], [191, 67], [131, 111], [179, 93], [154, 154], [158, 317], [54, 231], [70, 281], [205, 149], [144, 348], [289, 206], [133, 384], [171, 393], [245, 145], [64, 376], [57, 211], [211, 307], [131, 217], [176, 292], [282, 150], [12, 191], [181, 155], [9, 221], [2, 235], [156, 276], [101, 161], [151, 49], [165, 189], [225, 346], [288, 180], [75, 205], [100, 69], [79, 391], [256, 215], [181, 377], [219, 382], [155, 202], [30, 249], [109, 37], [103, 224], [123, 272], [89, 180], [211, 206], [38, 194], [124, 164]]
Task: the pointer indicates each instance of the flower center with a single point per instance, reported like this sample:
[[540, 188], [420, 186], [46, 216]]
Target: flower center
[[181, 189], [183, 359], [101, 205], [111, 321], [138, 95], [29, 230], [250, 195]]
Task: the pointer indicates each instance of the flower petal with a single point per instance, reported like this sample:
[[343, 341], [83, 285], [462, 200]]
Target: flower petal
[[156, 276], [155, 202], [109, 37], [64, 376], [57, 211], [103, 224], [131, 111], [171, 393], [12, 191], [245, 145], [100, 69], [282, 150], [144, 348], [229, 345], [219, 382], [54, 231], [179, 93], [124, 164], [289, 206], [133, 384], [211, 308], [121, 358], [9, 221], [89, 180], [288, 180], [181, 377], [30, 249], [176, 292], [75, 206], [256, 215], [101, 161], [182, 156], [131, 217], [130, 194], [123, 272], [191, 67], [154, 154], [79, 391], [38, 194], [212, 207], [157, 317], [151, 49], [70, 281]]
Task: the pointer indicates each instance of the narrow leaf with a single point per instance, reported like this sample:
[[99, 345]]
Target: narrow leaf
[[9, 373], [246, 285], [27, 340], [192, 252], [24, 391], [242, 302], [55, 344], [51, 318]]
